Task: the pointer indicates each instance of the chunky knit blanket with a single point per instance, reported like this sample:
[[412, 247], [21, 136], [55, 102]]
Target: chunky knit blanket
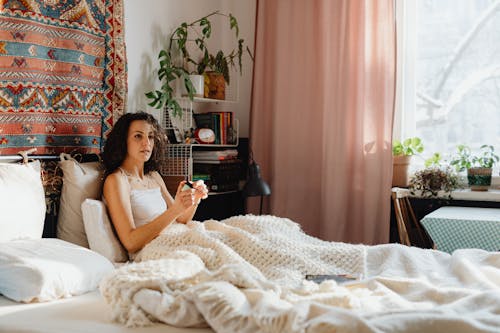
[[246, 274], [274, 247]]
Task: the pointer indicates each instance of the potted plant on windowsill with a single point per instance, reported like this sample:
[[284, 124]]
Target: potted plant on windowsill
[[402, 151], [434, 180], [188, 54], [479, 167]]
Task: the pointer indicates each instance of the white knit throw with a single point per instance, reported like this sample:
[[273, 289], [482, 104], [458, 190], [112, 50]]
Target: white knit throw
[[277, 247], [263, 252], [246, 274]]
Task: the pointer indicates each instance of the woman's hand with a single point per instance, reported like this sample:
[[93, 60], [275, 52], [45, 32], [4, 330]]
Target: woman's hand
[[188, 197], [200, 191], [184, 198]]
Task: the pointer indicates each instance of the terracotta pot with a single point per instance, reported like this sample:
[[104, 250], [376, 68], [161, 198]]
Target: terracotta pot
[[479, 178], [215, 85], [400, 165]]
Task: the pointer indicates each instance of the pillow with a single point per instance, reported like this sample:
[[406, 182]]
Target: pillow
[[80, 181], [48, 268], [22, 201], [100, 232]]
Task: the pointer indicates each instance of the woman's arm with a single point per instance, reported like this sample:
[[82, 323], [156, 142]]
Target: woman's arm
[[116, 192]]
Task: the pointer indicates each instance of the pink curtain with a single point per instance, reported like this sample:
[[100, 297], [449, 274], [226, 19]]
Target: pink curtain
[[322, 108]]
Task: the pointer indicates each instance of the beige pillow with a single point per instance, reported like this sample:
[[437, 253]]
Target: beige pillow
[[100, 233], [80, 181], [22, 201]]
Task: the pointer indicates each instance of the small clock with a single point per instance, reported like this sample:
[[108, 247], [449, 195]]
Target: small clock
[[204, 135]]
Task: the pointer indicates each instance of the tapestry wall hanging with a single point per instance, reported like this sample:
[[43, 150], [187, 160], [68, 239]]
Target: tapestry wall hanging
[[62, 74]]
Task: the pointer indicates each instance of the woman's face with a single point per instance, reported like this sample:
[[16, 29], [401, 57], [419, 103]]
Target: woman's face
[[140, 140]]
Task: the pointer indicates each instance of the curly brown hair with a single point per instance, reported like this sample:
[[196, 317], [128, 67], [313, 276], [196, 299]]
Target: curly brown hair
[[115, 149]]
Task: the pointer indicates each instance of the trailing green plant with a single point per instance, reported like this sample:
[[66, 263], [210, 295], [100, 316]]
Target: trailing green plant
[[182, 42], [407, 147], [434, 160], [464, 159], [430, 181], [218, 61], [168, 73]]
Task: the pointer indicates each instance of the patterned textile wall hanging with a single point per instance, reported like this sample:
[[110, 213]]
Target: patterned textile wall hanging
[[62, 74]]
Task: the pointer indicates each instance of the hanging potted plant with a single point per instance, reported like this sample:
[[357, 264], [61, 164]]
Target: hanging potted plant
[[188, 44], [402, 151], [479, 167]]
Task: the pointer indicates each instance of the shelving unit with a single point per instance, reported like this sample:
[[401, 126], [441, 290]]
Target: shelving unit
[[178, 161], [180, 164]]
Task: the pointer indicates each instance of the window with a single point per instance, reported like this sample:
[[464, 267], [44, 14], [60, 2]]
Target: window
[[448, 73]]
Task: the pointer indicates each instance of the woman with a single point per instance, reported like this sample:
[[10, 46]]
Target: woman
[[137, 199]]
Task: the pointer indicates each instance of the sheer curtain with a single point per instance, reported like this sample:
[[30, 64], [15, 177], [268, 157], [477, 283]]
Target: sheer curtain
[[322, 108]]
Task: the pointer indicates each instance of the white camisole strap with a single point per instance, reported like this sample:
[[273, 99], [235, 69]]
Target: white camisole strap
[[147, 203]]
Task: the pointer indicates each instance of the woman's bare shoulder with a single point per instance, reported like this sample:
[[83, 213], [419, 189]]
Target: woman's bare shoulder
[[157, 177], [159, 180], [116, 178]]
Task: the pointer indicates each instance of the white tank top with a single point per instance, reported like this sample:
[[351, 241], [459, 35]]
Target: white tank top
[[146, 205]]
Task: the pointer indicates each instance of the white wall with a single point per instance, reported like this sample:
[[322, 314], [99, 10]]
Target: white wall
[[148, 25]]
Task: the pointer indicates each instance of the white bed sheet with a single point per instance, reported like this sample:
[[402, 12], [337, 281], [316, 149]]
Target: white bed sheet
[[84, 313]]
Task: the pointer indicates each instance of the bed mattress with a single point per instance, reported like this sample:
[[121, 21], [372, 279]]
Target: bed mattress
[[84, 313]]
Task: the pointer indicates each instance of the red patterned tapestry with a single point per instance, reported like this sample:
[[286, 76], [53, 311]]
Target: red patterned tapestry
[[63, 74]]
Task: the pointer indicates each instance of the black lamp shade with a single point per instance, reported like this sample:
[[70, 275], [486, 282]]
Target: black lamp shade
[[255, 186]]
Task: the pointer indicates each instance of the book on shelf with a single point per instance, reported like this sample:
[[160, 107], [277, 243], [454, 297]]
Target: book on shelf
[[220, 122], [215, 155], [203, 120]]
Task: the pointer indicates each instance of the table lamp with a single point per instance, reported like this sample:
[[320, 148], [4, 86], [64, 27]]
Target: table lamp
[[256, 186]]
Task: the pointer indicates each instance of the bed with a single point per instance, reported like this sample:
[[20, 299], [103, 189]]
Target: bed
[[84, 313], [242, 274], [235, 278]]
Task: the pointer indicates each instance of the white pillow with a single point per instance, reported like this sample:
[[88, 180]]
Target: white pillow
[[80, 181], [48, 268], [100, 233], [22, 201]]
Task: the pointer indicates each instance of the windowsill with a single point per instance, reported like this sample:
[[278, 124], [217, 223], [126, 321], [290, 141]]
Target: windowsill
[[492, 194], [467, 194]]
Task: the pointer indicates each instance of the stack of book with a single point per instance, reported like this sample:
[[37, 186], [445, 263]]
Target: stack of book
[[220, 169], [219, 122], [207, 156], [219, 176]]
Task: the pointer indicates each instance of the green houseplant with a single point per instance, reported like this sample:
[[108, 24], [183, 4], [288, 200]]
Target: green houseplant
[[402, 151], [434, 160], [188, 53], [433, 179], [168, 73], [407, 147], [215, 66], [479, 166]]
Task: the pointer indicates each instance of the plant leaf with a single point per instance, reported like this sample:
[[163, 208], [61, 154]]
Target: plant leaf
[[207, 27], [233, 24]]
